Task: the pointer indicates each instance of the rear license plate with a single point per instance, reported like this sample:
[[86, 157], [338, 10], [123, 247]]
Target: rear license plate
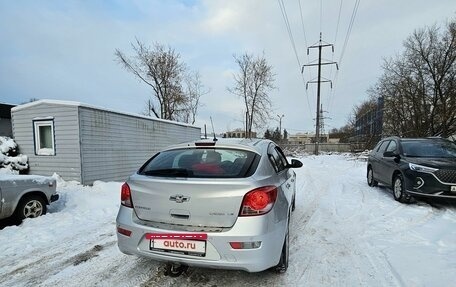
[[191, 246], [453, 188], [185, 243]]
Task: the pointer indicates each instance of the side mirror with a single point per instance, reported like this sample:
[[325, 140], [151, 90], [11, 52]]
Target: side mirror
[[389, 154], [295, 164], [396, 156]]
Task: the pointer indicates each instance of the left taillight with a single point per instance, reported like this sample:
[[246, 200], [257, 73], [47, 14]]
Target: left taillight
[[125, 196], [124, 231]]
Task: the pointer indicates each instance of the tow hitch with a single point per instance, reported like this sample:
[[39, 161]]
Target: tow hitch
[[175, 269]]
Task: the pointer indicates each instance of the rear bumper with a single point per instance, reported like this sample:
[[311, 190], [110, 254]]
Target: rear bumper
[[219, 254]]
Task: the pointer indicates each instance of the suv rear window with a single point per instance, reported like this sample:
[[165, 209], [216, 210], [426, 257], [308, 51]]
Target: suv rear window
[[202, 163]]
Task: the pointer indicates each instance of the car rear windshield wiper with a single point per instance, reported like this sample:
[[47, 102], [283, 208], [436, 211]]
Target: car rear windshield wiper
[[169, 172]]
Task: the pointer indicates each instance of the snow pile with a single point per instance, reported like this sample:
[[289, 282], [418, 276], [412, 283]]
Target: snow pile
[[10, 161], [57, 243]]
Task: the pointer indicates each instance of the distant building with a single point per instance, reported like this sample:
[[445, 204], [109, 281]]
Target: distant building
[[307, 138], [238, 134], [6, 128], [369, 125], [334, 140]]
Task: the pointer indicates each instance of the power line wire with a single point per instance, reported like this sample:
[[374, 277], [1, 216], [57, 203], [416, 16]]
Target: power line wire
[[333, 90], [331, 98], [302, 22], [347, 36], [321, 15], [308, 59], [338, 21], [290, 35]]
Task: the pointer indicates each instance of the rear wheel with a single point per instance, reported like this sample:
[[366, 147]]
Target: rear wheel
[[284, 256], [399, 190], [370, 177], [30, 206]]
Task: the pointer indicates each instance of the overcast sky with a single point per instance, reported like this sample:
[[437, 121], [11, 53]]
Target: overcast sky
[[65, 50]]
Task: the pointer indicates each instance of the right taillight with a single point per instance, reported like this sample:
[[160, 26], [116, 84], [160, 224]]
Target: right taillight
[[125, 195], [258, 201]]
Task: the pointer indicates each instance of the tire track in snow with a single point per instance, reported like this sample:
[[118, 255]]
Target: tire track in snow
[[406, 225], [382, 267], [336, 257], [304, 209], [305, 219], [29, 275], [23, 268]]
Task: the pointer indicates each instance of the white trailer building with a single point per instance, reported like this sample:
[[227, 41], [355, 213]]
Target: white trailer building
[[85, 143]]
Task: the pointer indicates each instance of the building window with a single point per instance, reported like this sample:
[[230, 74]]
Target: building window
[[44, 137]]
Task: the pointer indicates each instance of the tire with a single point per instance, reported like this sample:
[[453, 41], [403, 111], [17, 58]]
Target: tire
[[370, 177], [285, 254], [399, 190], [30, 206]]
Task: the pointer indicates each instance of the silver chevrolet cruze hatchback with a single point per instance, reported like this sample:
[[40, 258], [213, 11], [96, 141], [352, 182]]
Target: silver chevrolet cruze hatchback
[[217, 204]]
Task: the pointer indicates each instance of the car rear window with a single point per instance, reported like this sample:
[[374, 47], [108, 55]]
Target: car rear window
[[202, 163], [429, 148]]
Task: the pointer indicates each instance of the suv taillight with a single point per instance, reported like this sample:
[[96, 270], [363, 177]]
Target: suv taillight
[[125, 196], [258, 201]]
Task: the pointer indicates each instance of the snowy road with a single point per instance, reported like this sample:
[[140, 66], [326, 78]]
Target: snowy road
[[343, 233]]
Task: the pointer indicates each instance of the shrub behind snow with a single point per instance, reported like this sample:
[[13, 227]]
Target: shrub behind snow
[[9, 159]]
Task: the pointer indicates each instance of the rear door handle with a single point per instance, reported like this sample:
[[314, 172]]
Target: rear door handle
[[179, 213], [180, 216]]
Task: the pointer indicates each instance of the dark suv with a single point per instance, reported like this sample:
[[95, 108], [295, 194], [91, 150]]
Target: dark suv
[[414, 167]]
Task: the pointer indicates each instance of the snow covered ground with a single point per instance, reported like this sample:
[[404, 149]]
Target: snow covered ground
[[343, 233]]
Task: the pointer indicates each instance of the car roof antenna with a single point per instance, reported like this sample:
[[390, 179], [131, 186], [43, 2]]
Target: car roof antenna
[[215, 139]]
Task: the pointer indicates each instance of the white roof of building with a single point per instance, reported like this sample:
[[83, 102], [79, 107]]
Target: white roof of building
[[79, 104]]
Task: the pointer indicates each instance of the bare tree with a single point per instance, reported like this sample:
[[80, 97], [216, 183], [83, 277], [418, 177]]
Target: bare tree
[[252, 83], [194, 90], [176, 91], [419, 85]]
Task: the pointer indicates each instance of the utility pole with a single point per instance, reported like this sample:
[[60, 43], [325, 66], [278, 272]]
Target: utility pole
[[322, 123], [246, 125], [320, 46], [280, 124]]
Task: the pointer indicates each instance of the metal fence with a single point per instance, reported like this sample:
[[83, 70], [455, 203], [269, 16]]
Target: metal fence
[[322, 147]]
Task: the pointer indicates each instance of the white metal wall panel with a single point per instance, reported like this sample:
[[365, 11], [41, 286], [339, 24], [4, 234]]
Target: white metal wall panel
[[66, 162], [114, 145]]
